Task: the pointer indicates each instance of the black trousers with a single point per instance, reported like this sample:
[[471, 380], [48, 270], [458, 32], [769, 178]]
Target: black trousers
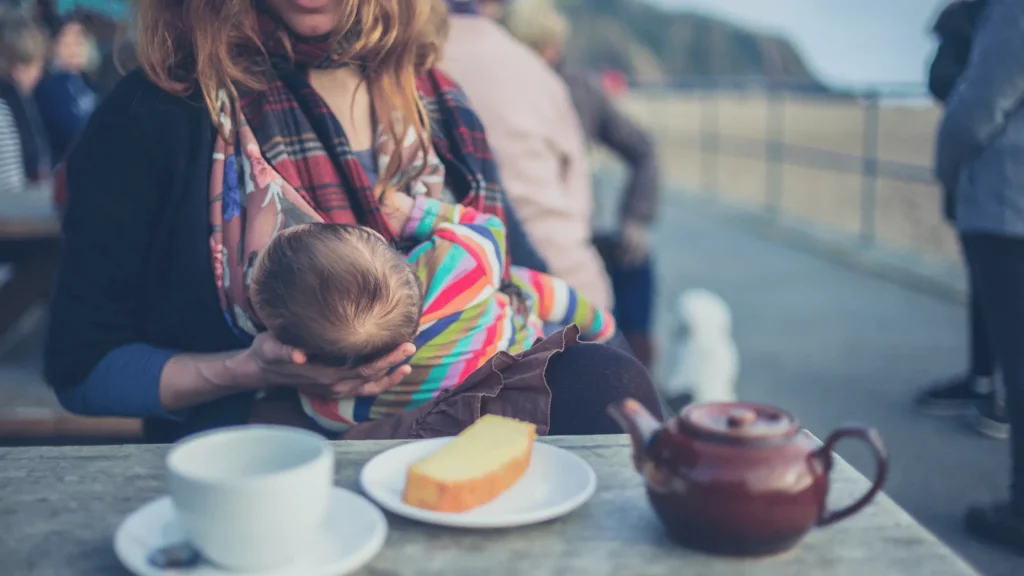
[[980, 361], [997, 268], [634, 298], [585, 379]]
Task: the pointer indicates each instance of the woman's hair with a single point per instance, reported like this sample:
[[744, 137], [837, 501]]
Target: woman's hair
[[337, 292], [22, 41], [536, 23], [184, 45]]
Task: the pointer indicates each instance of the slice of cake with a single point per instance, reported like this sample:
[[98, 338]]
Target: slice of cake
[[476, 467]]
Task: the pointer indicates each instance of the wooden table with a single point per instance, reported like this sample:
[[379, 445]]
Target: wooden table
[[29, 241], [59, 508], [28, 215]]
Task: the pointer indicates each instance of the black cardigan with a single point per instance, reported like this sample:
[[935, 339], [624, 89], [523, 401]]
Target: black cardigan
[[136, 264]]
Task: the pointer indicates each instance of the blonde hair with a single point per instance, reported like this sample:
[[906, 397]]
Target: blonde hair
[[339, 293], [537, 23], [22, 41], [184, 45]]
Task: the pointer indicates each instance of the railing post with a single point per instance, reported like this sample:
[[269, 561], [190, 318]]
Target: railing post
[[709, 142], [869, 169], [775, 150]]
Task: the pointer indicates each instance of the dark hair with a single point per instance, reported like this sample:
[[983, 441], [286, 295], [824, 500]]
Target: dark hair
[[339, 293]]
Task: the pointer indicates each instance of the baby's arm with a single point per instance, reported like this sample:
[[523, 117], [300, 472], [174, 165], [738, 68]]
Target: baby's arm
[[483, 236], [558, 303], [461, 259]]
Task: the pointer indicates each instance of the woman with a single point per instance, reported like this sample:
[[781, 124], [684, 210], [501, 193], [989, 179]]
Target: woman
[[972, 392], [24, 151], [626, 254], [980, 157], [151, 315], [537, 139]]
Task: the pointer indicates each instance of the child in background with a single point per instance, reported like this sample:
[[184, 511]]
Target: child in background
[[345, 297]]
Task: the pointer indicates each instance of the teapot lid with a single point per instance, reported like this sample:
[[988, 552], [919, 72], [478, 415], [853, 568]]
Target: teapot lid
[[738, 422]]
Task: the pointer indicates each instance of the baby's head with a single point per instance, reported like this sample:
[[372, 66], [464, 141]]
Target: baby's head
[[339, 293]]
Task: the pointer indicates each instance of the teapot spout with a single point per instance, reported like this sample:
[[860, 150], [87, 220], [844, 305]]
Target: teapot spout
[[641, 426]]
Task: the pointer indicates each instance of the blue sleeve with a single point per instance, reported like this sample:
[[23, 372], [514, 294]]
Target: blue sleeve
[[991, 88], [125, 383]]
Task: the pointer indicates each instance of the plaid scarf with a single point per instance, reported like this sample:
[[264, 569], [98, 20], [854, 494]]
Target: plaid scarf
[[282, 159]]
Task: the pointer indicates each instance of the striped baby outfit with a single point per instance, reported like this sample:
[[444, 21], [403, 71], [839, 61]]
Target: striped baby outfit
[[468, 315]]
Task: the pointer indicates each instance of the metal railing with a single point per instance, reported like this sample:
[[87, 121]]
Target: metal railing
[[778, 152]]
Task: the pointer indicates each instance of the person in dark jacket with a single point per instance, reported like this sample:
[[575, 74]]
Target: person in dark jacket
[[64, 98], [980, 156], [539, 25], [974, 392]]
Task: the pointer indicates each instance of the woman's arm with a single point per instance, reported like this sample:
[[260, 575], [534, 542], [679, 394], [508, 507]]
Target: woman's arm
[[632, 144], [991, 88], [12, 167], [96, 359]]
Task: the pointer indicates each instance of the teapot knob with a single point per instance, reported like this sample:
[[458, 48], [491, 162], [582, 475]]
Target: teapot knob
[[740, 418]]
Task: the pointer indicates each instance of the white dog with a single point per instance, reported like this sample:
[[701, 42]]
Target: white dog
[[708, 362]]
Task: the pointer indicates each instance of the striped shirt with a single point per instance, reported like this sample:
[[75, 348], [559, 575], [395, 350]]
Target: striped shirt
[[12, 166], [467, 316]]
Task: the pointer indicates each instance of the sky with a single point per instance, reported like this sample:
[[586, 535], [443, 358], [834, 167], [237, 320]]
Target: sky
[[844, 42]]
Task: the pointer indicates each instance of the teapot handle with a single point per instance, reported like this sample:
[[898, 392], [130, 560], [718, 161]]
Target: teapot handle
[[870, 437]]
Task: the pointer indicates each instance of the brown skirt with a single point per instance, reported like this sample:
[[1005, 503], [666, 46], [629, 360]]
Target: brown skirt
[[506, 385]]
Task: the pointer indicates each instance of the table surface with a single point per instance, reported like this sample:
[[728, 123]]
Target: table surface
[[59, 508], [28, 215]]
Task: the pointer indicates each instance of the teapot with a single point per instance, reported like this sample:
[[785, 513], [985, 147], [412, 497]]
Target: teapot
[[739, 479]]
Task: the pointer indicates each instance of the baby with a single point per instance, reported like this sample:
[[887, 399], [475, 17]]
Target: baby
[[345, 297]]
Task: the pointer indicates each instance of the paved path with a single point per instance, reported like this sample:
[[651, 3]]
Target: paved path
[[834, 345]]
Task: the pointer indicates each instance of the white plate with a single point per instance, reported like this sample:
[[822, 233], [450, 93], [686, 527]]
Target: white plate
[[556, 483], [354, 532]]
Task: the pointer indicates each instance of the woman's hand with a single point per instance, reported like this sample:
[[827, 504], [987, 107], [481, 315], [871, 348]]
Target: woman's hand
[[269, 363], [634, 243]]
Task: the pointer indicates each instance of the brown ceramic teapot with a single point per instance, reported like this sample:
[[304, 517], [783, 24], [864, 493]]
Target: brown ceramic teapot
[[738, 479]]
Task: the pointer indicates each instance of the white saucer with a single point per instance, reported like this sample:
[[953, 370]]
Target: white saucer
[[556, 483], [354, 532]]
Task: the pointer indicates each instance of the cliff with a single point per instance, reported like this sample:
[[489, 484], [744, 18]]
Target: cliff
[[654, 45]]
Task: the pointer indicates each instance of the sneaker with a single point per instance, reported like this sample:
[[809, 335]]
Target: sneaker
[[997, 524], [956, 397], [989, 418]]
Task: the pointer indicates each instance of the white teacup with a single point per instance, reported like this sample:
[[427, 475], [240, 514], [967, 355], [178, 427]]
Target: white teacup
[[251, 497]]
